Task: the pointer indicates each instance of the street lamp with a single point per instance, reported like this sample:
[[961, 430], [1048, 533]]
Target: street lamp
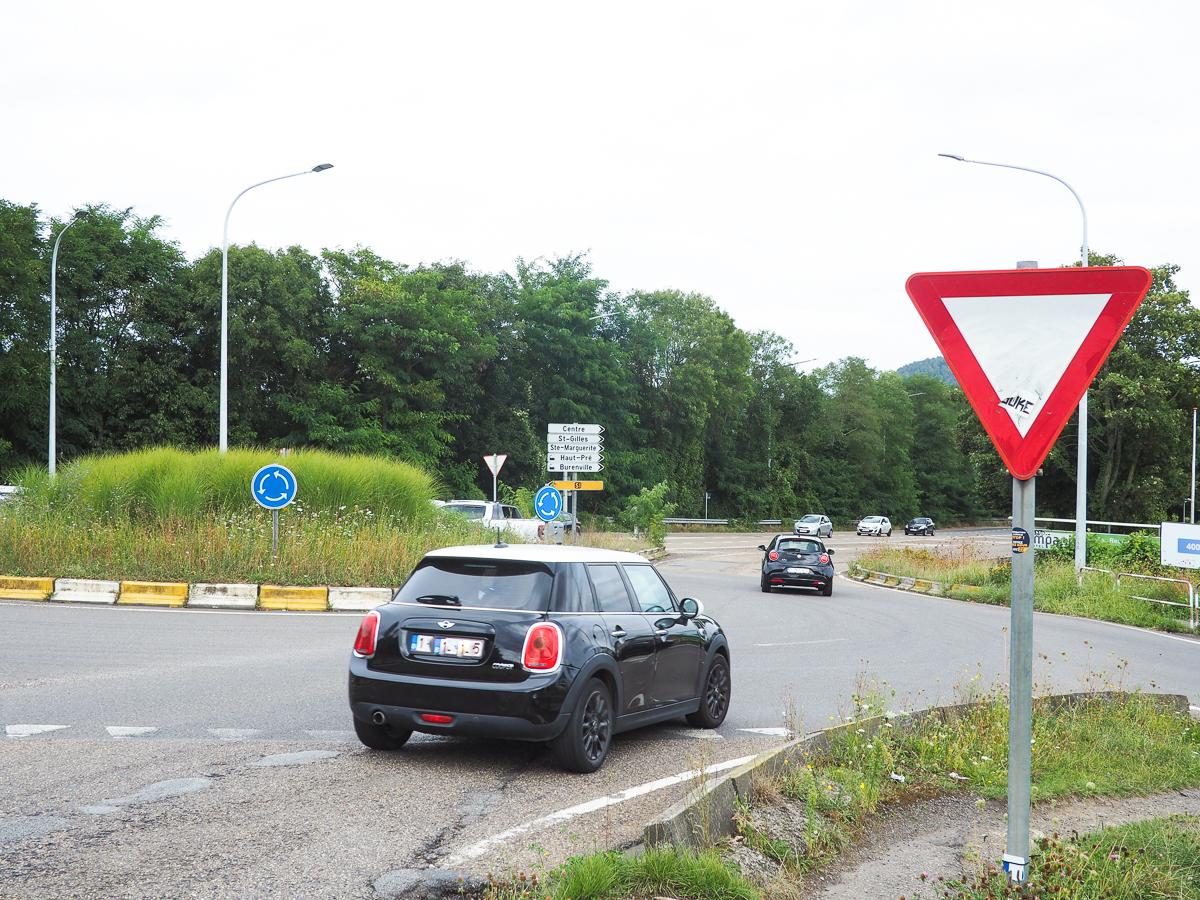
[[1082, 461], [52, 450], [223, 439]]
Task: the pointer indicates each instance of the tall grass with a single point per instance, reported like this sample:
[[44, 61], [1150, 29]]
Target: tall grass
[[163, 484], [173, 515], [1056, 589]]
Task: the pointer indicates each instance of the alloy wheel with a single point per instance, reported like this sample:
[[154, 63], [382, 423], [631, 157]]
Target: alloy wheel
[[596, 726], [716, 693]]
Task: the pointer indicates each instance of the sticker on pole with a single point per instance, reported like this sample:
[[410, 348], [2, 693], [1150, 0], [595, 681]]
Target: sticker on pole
[[1020, 540], [273, 486], [1025, 344]]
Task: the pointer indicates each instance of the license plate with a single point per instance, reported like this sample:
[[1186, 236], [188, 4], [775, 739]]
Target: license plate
[[436, 645], [799, 570]]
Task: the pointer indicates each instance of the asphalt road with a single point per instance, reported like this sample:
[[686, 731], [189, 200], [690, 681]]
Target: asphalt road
[[166, 777]]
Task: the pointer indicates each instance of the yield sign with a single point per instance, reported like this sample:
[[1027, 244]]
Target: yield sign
[[495, 462], [1025, 344]]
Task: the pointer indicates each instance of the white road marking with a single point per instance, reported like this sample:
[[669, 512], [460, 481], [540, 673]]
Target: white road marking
[[700, 734], [233, 734], [770, 732], [128, 731], [487, 844], [801, 643], [23, 731]]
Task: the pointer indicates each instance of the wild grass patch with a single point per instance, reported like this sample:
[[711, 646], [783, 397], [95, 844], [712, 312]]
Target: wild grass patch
[[1056, 588], [1155, 858]]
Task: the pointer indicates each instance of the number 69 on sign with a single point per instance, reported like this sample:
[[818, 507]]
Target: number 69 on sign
[[579, 485]]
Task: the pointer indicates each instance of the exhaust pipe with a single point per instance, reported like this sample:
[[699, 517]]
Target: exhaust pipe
[[378, 717]]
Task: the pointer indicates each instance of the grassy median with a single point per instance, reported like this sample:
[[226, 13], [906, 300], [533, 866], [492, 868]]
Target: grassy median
[[172, 515], [1056, 590], [1087, 746]]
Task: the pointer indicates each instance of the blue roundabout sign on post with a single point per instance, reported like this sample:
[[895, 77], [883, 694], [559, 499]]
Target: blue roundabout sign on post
[[273, 487], [547, 503]]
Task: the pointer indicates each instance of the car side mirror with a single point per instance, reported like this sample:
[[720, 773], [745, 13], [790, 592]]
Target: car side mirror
[[690, 608], [829, 550], [762, 547]]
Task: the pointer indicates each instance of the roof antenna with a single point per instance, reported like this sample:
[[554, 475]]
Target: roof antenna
[[499, 540]]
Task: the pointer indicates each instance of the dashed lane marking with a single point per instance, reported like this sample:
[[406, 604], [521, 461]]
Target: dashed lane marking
[[769, 732], [24, 731], [487, 844], [233, 734], [802, 643], [130, 731]]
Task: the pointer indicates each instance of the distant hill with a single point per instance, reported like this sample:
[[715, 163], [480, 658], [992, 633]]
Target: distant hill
[[935, 366]]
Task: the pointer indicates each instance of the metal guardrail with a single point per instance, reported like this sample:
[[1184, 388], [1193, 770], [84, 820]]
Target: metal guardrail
[[1193, 612], [695, 521], [1193, 600], [769, 522]]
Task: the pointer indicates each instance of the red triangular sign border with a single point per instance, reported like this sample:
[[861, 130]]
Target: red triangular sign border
[[1023, 456]]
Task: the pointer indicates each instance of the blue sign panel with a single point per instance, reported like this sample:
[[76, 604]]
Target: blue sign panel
[[547, 503], [1188, 545], [273, 486]]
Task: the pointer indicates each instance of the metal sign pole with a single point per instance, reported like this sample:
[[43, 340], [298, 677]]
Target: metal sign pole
[[1020, 684], [274, 532]]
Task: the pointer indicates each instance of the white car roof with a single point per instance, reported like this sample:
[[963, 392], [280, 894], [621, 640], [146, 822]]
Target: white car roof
[[552, 553]]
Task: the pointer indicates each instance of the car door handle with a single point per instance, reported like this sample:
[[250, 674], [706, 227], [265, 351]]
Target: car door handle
[[661, 632], [618, 633]]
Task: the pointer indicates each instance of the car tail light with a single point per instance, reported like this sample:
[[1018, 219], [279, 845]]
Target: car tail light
[[364, 642], [543, 648], [437, 719], [772, 556], [824, 559]]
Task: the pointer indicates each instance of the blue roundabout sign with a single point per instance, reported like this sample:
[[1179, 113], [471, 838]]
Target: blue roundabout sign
[[547, 503], [273, 486]]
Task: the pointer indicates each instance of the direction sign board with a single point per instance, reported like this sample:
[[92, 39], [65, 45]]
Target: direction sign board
[[495, 462], [578, 485], [578, 447], [561, 464], [570, 457], [573, 428], [273, 486], [576, 440], [1025, 344], [1179, 545], [547, 503]]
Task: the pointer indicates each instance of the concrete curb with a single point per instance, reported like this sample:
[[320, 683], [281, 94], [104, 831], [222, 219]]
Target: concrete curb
[[358, 599], [295, 599], [85, 590], [223, 596], [153, 593], [707, 817], [12, 588]]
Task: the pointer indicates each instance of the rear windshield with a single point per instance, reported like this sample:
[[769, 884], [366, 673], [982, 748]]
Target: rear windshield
[[479, 584], [799, 546], [470, 510]]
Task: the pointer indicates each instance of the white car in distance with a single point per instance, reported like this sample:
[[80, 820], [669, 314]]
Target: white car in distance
[[502, 516], [817, 526], [875, 525]]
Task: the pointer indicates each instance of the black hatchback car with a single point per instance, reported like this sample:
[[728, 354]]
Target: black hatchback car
[[567, 645], [790, 561], [919, 525]]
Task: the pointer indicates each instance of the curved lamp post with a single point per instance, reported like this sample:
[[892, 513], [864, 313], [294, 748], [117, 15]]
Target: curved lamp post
[[1082, 460], [224, 403], [52, 450]]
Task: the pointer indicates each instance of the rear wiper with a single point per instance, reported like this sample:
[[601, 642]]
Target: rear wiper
[[447, 599]]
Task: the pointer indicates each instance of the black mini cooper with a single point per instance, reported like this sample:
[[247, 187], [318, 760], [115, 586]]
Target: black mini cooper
[[567, 645], [790, 561]]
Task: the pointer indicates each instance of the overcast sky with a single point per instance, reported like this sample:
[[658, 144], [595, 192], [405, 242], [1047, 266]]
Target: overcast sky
[[780, 158]]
